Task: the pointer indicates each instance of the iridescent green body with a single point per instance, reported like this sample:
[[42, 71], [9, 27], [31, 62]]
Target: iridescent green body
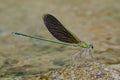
[[84, 44], [81, 44]]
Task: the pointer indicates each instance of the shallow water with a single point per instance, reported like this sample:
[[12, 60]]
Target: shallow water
[[96, 22]]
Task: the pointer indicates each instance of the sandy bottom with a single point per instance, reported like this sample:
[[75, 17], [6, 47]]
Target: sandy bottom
[[96, 22]]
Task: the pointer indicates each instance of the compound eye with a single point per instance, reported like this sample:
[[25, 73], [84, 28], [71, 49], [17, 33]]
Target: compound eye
[[92, 47]]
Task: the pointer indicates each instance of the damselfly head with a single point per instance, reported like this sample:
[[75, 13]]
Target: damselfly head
[[90, 46]]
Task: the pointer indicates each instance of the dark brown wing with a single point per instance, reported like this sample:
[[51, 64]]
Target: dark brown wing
[[58, 30]]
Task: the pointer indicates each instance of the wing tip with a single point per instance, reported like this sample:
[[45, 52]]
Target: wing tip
[[46, 16]]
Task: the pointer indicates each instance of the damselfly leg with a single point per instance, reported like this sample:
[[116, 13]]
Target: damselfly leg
[[82, 56], [77, 56]]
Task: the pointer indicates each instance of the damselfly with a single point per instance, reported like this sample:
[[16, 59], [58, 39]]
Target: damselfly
[[62, 35]]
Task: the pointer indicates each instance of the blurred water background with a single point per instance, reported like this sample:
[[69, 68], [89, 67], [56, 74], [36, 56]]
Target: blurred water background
[[94, 21]]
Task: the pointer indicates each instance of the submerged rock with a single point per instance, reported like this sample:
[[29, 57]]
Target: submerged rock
[[84, 71]]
